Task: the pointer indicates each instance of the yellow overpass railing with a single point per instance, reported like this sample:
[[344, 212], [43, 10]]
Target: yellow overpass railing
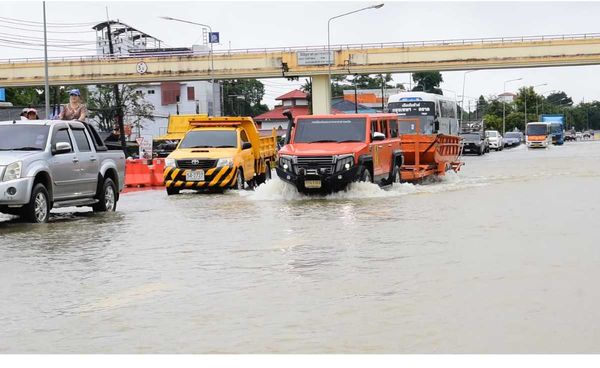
[[444, 55]]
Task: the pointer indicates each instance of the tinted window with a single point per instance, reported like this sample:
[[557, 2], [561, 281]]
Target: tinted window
[[330, 130], [407, 127], [62, 136], [23, 137], [384, 128], [512, 135], [394, 128], [82, 142], [210, 139]]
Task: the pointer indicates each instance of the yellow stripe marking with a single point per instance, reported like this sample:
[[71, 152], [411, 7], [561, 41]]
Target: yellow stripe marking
[[174, 173], [218, 176], [210, 171], [189, 184], [228, 178], [178, 184]]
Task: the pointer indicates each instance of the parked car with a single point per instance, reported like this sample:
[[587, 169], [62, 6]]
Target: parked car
[[46, 164], [495, 140], [512, 139], [475, 142], [578, 136]]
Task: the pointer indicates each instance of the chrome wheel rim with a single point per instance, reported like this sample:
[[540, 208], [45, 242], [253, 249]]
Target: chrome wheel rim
[[109, 198], [41, 207]]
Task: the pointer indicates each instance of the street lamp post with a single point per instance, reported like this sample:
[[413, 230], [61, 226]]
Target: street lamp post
[[504, 104], [462, 101], [537, 113], [212, 61], [378, 6]]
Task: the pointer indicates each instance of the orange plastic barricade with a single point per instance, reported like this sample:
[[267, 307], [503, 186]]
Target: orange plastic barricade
[[158, 167], [137, 173]]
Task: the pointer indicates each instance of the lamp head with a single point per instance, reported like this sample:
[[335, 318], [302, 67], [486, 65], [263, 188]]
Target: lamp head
[[378, 6]]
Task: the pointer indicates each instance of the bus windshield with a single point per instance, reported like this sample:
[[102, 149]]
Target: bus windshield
[[537, 129], [330, 130]]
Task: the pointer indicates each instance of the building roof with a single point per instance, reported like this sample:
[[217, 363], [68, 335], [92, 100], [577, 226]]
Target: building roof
[[293, 95], [508, 94]]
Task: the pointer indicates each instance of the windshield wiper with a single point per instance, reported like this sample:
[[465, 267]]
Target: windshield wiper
[[323, 141], [226, 146], [201, 147], [350, 140], [27, 149]]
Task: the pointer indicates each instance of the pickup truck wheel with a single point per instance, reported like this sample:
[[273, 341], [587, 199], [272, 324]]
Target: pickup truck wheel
[[480, 151], [240, 182], [172, 191], [268, 172], [366, 176], [38, 208], [107, 200]]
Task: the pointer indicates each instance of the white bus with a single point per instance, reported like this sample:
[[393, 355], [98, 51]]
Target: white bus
[[436, 113]]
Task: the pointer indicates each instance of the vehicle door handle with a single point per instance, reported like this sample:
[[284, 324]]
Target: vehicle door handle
[[92, 158], [75, 160]]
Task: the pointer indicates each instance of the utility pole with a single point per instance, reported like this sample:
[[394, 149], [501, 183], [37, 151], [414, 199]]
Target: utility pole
[[46, 82], [119, 115], [382, 94]]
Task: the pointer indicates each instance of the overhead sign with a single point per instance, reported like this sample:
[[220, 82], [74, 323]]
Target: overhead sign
[[213, 37], [2, 94], [315, 57], [412, 108]]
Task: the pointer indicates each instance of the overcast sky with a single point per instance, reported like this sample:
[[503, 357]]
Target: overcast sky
[[274, 24]]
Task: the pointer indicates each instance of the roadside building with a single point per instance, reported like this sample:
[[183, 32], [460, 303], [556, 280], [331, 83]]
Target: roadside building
[[371, 98], [168, 98]]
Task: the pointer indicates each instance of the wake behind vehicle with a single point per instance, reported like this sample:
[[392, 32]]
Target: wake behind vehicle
[[325, 153], [219, 153], [538, 135], [47, 164]]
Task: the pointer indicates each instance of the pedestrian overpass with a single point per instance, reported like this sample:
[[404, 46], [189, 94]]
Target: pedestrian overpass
[[400, 57]]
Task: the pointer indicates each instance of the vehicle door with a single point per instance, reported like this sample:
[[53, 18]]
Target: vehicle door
[[88, 161], [376, 148], [64, 166], [386, 148], [247, 156]]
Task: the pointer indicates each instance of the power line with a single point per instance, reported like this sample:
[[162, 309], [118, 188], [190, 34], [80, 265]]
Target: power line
[[54, 24], [19, 37], [42, 31]]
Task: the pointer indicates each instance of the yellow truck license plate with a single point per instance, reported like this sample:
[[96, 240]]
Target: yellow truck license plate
[[195, 175], [312, 184]]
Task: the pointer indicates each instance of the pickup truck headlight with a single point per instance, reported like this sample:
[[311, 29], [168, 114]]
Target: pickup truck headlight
[[13, 171], [344, 163], [170, 162], [285, 162], [225, 162]]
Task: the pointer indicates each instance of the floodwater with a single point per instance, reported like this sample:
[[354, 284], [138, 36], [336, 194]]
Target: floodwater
[[503, 257]]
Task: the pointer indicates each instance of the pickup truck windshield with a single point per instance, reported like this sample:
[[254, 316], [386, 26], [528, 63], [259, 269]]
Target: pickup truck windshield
[[210, 139], [512, 135], [16, 137], [537, 129], [330, 130]]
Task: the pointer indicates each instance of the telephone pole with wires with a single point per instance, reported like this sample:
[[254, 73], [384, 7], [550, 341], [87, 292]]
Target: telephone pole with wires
[[119, 110]]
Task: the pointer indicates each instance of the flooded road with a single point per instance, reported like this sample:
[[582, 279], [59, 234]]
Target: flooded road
[[502, 257]]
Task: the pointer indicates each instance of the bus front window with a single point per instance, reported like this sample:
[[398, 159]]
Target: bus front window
[[537, 129]]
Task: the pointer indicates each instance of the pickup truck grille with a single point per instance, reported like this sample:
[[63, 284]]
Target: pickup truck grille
[[192, 164], [315, 164]]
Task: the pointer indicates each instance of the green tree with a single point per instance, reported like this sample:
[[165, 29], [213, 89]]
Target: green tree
[[243, 97], [559, 98], [25, 96], [428, 82], [493, 122], [103, 110]]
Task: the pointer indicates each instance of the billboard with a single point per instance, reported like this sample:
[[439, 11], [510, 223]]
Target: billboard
[[2, 95]]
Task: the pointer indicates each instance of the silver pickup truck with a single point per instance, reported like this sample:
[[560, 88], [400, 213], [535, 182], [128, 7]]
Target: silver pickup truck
[[47, 164]]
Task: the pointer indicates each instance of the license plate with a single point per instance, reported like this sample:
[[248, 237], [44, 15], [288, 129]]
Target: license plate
[[312, 184], [196, 175]]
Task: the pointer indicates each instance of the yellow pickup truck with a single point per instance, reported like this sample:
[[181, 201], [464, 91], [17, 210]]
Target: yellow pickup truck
[[220, 153]]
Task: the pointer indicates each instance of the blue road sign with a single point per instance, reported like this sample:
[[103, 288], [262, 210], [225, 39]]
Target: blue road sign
[[213, 37], [2, 94]]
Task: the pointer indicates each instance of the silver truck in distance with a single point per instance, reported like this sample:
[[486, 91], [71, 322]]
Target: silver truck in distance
[[47, 164]]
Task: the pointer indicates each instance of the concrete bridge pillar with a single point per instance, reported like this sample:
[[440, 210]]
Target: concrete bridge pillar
[[321, 94]]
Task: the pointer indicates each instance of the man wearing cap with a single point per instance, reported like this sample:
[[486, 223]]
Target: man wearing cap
[[74, 110]]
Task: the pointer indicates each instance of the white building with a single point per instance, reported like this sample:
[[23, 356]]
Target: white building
[[168, 98]]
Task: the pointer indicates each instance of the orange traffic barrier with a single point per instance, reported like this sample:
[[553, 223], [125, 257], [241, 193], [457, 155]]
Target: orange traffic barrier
[[158, 167], [137, 173]]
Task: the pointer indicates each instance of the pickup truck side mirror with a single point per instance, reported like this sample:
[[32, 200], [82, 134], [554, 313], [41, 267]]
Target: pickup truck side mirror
[[378, 136], [61, 147], [246, 145]]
